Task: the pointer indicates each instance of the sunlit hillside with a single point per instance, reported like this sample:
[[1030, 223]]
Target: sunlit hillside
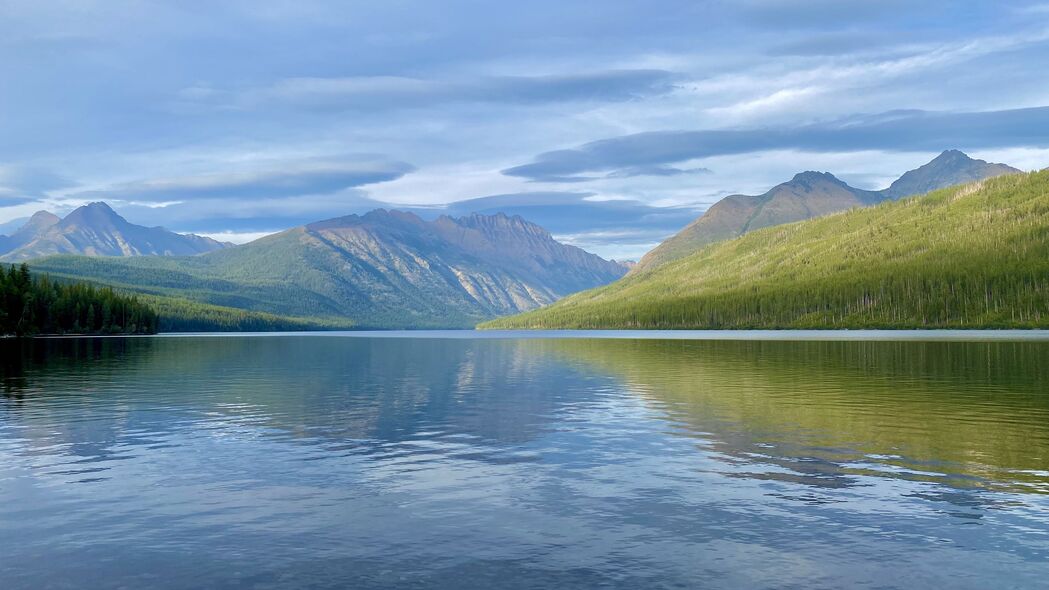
[[966, 257]]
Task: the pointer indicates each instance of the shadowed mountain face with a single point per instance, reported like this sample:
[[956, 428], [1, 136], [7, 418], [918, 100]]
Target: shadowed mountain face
[[812, 194], [97, 230], [385, 269]]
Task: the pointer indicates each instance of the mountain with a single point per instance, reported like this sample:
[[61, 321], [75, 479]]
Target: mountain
[[948, 169], [812, 194], [40, 222], [96, 230], [807, 195], [385, 269], [971, 256]]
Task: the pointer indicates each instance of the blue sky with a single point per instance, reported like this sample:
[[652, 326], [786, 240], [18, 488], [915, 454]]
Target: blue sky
[[612, 122]]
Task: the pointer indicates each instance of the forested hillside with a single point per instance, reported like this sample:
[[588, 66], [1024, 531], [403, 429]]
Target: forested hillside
[[973, 256], [31, 306]]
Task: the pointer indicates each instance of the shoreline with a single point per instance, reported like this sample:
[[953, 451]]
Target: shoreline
[[1026, 335], [784, 335]]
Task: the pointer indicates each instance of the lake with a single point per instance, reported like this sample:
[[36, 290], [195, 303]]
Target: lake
[[462, 460]]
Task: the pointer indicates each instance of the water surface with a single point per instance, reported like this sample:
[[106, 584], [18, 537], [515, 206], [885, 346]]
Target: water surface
[[478, 462]]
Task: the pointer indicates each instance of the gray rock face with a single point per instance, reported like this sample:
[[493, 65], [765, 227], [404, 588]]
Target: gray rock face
[[473, 266], [96, 230]]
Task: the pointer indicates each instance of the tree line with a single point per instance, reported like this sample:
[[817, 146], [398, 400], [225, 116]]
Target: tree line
[[38, 305]]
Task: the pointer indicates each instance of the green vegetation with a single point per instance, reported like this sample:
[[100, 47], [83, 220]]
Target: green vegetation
[[976, 410], [182, 315], [973, 256], [190, 295], [31, 306], [809, 195]]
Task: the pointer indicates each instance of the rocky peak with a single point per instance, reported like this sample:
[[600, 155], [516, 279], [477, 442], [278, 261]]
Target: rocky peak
[[97, 214], [947, 169], [812, 178], [500, 223], [40, 221]]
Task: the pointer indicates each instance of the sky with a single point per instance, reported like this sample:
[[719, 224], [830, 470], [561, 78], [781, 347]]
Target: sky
[[613, 123]]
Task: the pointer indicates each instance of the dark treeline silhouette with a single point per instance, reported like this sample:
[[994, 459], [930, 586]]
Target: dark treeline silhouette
[[30, 306]]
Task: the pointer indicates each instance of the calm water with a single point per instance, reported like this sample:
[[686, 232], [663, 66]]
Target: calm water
[[373, 462]]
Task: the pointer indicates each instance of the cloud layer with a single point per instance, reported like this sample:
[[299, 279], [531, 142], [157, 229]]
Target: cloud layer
[[902, 130], [268, 180]]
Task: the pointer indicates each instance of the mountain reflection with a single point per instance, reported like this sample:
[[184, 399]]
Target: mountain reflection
[[826, 413]]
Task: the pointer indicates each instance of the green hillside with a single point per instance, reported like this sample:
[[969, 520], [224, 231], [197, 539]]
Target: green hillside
[[188, 297], [973, 256]]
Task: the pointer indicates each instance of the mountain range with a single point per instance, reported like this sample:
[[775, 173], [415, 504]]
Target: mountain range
[[809, 195], [969, 256], [96, 230], [384, 269], [395, 269]]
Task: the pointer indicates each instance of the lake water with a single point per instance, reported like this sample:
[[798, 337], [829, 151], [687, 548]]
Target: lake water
[[453, 461]]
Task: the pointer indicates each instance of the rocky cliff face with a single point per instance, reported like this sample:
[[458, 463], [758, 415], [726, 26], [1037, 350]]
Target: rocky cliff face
[[97, 230], [494, 263]]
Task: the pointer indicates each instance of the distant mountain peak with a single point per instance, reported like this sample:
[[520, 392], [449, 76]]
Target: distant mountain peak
[[40, 220], [94, 213], [95, 229], [43, 216], [953, 154], [947, 169], [814, 176]]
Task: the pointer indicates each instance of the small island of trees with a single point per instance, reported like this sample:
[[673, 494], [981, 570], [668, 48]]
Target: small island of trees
[[33, 306]]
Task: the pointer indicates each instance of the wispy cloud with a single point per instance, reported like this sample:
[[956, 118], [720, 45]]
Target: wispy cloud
[[23, 184], [385, 92], [265, 181], [899, 130]]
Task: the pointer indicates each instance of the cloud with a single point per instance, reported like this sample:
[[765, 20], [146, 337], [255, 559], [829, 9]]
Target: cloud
[[603, 222], [265, 181], [23, 184], [833, 44], [812, 14], [241, 215], [385, 92], [897, 130]]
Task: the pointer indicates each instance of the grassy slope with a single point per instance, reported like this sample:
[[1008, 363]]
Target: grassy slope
[[965, 257]]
